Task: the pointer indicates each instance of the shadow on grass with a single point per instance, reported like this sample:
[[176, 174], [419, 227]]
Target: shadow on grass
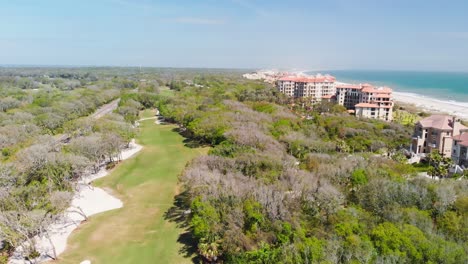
[[189, 141], [178, 214]]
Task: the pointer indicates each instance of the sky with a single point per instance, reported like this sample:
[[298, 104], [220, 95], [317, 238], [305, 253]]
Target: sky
[[306, 35]]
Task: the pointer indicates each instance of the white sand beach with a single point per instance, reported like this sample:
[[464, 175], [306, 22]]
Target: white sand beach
[[459, 109], [87, 201]]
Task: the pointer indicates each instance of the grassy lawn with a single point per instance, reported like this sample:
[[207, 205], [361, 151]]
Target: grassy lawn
[[147, 184], [148, 113], [166, 91]]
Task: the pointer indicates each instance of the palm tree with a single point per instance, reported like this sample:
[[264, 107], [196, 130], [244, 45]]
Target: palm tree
[[209, 251]]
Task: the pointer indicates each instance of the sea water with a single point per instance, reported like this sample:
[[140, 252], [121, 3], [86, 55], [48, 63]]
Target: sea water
[[445, 86]]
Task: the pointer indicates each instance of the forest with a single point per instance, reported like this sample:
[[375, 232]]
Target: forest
[[282, 183], [328, 188]]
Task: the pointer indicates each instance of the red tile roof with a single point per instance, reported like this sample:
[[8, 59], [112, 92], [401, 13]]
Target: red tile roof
[[349, 86], [443, 122], [368, 88], [384, 95], [379, 90], [311, 79], [367, 105], [462, 139]]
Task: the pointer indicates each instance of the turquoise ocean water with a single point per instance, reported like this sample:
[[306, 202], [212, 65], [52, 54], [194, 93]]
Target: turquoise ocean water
[[446, 86]]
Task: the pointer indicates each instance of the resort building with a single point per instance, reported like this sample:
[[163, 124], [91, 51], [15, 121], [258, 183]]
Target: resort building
[[438, 132], [366, 100], [460, 150], [348, 95], [315, 87]]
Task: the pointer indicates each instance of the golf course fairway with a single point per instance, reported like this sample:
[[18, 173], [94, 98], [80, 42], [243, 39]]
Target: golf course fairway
[[146, 184]]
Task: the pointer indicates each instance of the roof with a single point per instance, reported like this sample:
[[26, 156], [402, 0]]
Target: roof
[[349, 86], [308, 79], [442, 122], [328, 96], [368, 88], [462, 139], [367, 105], [383, 95], [378, 90]]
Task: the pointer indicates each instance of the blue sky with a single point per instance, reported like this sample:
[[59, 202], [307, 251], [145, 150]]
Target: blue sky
[[315, 35]]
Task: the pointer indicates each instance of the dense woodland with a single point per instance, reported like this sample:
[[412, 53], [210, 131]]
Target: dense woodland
[[283, 182], [284, 185]]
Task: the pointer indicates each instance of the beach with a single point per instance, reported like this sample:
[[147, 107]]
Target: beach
[[432, 105]]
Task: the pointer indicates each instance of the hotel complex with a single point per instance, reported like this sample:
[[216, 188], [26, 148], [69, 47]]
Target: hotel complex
[[364, 100]]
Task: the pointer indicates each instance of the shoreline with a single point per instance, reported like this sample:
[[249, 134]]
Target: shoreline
[[433, 105], [425, 103], [430, 104], [87, 201]]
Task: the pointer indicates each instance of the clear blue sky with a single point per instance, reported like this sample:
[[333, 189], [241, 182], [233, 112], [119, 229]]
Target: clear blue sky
[[332, 34]]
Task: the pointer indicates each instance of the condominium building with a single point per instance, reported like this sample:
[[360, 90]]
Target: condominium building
[[366, 100], [438, 132], [315, 87]]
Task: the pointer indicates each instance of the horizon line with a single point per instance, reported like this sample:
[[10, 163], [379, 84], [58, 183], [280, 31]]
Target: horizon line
[[219, 68]]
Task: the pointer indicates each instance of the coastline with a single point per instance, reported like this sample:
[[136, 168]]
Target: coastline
[[433, 105], [87, 201], [430, 104]]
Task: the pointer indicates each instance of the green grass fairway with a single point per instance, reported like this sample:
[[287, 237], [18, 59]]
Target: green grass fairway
[[166, 91], [147, 184]]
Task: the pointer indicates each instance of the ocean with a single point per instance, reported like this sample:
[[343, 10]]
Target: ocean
[[446, 86]]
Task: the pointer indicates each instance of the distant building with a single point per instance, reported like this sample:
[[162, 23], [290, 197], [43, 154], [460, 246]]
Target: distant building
[[438, 132], [315, 87], [366, 100], [460, 149]]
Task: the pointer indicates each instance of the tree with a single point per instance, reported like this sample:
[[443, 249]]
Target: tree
[[209, 251], [440, 165], [359, 177], [8, 103]]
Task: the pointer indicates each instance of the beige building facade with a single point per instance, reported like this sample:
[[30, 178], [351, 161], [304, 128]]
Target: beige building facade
[[436, 133], [316, 87], [366, 100]]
